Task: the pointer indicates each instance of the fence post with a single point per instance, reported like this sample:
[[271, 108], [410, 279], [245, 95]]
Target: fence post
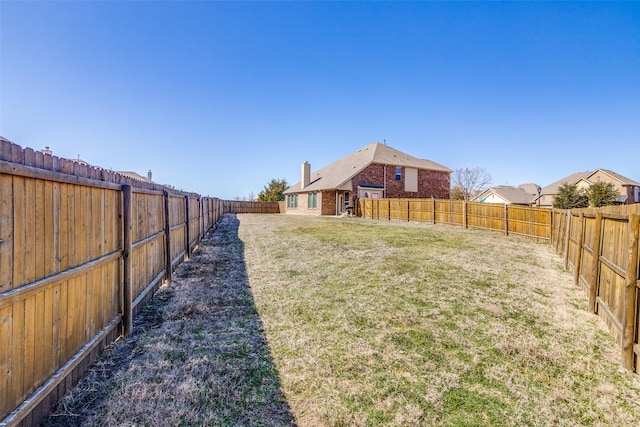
[[566, 240], [434, 209], [408, 211], [127, 309], [552, 220], [389, 209], [506, 219], [464, 214], [167, 236], [577, 266], [630, 288], [187, 234], [595, 269], [200, 218]]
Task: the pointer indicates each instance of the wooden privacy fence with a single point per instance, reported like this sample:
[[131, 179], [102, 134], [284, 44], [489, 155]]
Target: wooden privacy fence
[[510, 219], [81, 250], [251, 207], [600, 246]]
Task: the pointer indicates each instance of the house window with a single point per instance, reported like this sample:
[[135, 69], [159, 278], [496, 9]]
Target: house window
[[312, 201], [292, 201], [398, 174], [636, 196]]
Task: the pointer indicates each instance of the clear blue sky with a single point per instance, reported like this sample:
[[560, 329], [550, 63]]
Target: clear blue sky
[[221, 97]]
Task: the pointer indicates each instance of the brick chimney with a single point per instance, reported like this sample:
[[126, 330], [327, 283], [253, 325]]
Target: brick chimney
[[306, 175], [149, 175]]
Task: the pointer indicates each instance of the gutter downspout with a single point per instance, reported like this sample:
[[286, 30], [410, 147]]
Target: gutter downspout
[[337, 204]]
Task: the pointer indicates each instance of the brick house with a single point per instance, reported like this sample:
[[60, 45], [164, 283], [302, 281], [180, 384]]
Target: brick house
[[374, 171]]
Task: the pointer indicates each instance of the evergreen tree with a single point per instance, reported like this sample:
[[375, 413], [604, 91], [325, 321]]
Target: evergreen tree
[[274, 191], [568, 197], [601, 194]]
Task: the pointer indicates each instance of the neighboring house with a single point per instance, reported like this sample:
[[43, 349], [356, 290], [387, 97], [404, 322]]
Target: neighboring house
[[548, 193], [508, 195], [135, 175], [628, 189], [374, 171]]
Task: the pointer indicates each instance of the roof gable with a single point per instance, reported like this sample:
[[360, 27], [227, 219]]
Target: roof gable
[[571, 179], [620, 178]]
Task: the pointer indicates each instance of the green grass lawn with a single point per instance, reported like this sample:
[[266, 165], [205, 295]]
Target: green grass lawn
[[390, 323]]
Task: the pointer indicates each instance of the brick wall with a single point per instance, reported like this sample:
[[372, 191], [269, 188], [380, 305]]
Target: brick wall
[[430, 183], [328, 202], [303, 205]]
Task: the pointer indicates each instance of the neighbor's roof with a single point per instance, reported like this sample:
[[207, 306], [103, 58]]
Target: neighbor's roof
[[571, 179], [135, 175], [511, 194], [623, 179], [530, 187], [339, 172]]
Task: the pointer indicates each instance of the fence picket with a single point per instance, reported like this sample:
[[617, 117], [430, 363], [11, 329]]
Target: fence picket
[[630, 294]]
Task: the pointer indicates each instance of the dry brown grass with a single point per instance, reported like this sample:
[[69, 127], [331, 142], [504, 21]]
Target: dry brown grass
[[342, 321]]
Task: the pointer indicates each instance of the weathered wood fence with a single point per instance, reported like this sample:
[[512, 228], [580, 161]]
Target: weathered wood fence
[[81, 250], [251, 207], [599, 245], [509, 219]]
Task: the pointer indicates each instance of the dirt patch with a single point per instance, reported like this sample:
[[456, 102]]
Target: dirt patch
[[197, 356]]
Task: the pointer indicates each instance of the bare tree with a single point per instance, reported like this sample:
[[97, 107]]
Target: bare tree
[[467, 182]]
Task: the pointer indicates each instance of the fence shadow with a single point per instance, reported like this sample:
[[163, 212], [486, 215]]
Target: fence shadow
[[203, 329], [242, 354]]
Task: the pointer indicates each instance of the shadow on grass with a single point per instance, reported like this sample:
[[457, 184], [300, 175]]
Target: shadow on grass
[[198, 354], [241, 354]]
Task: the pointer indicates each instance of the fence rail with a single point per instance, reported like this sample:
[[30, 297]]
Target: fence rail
[[600, 246], [81, 250]]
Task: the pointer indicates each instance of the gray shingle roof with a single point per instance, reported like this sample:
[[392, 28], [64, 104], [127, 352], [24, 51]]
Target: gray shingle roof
[[623, 179], [571, 179], [514, 195], [531, 188], [338, 173]]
